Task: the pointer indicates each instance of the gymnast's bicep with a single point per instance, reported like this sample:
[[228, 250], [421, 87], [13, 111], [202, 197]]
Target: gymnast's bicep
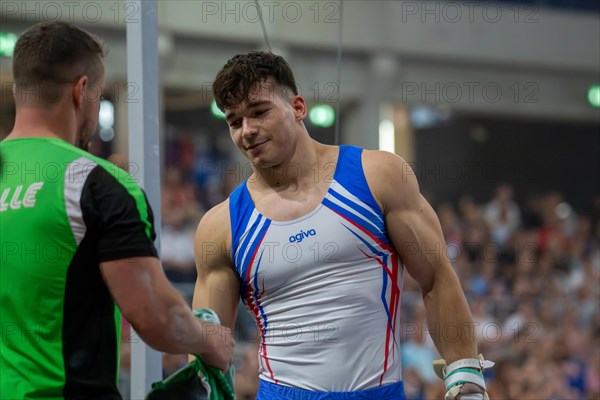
[[217, 285]]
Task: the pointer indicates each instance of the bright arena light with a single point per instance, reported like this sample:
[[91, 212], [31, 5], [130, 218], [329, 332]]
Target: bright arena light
[[322, 115], [106, 120], [594, 96], [216, 112], [106, 117], [387, 136]]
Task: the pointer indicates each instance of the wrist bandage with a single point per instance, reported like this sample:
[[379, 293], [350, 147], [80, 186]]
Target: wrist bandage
[[467, 371]]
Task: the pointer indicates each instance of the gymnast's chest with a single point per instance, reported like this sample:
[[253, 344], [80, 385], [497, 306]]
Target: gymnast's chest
[[318, 250]]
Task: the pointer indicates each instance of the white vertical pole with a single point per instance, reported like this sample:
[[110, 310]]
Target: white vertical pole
[[144, 153]]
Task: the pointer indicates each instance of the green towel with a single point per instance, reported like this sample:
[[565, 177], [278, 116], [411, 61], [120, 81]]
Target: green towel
[[197, 380]]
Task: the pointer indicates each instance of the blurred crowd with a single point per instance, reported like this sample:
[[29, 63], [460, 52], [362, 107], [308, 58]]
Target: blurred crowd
[[530, 271]]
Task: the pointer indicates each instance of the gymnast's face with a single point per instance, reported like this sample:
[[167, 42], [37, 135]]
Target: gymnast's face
[[266, 126]]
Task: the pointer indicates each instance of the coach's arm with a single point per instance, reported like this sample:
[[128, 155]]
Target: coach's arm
[[159, 313]]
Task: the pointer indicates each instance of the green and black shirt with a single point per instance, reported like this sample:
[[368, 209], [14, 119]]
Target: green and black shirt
[[62, 213]]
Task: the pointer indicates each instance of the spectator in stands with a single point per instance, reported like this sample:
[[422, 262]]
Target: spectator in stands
[[502, 215]]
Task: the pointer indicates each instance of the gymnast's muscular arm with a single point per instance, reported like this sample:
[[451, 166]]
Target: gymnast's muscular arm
[[218, 285], [415, 232]]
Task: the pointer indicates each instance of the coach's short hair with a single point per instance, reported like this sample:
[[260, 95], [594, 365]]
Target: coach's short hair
[[55, 53]]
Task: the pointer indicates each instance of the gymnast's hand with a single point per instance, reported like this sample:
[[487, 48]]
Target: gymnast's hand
[[219, 346], [467, 391]]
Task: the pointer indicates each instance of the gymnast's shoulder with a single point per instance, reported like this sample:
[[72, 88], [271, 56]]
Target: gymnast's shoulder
[[389, 176], [214, 227]]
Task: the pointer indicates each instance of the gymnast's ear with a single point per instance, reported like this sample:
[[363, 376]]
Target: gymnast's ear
[[299, 107]]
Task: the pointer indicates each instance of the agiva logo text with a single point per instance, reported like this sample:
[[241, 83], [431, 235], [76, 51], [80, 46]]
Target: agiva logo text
[[298, 237]]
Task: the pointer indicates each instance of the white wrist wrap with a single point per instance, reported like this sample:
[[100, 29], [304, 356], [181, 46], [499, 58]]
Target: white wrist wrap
[[477, 363], [466, 370], [463, 376]]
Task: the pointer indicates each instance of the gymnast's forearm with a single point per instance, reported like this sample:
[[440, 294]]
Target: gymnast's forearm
[[449, 319]]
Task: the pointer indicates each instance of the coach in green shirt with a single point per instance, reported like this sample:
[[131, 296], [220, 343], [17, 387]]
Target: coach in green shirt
[[76, 236]]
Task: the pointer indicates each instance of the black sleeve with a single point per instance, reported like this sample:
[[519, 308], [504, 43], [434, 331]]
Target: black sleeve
[[118, 216]]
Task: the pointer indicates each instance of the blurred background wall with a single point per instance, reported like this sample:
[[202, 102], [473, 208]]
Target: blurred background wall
[[500, 70], [494, 103]]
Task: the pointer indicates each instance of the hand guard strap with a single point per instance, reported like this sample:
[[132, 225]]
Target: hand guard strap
[[464, 375], [466, 370]]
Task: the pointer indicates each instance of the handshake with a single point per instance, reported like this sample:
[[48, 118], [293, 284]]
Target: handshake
[[219, 340], [203, 378]]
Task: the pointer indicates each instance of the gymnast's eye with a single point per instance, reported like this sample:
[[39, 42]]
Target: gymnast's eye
[[261, 112]]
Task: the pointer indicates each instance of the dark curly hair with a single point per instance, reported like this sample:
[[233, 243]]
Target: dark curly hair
[[239, 76]]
